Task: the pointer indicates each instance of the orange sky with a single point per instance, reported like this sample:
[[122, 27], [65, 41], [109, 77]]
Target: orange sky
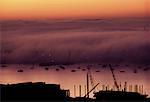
[[54, 9]]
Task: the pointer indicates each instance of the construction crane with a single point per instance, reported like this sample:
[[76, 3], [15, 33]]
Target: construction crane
[[91, 90], [91, 79], [89, 75], [115, 81]]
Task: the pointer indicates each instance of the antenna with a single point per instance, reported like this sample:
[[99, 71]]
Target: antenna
[[74, 90], [79, 90], [87, 85]]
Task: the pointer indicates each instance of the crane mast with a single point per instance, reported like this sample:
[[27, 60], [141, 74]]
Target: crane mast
[[91, 79], [89, 76], [115, 81]]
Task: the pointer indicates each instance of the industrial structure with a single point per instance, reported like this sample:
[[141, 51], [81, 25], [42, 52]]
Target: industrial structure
[[40, 91], [116, 93], [33, 92]]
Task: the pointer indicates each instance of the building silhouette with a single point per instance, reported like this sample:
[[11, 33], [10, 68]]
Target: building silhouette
[[33, 92], [119, 96]]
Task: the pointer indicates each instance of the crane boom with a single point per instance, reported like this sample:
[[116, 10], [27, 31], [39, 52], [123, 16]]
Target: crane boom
[[115, 81], [91, 78], [91, 90]]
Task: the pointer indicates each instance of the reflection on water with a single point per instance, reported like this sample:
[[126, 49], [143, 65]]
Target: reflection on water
[[75, 75]]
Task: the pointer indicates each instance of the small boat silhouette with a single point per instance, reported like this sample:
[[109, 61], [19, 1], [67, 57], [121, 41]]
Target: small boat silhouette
[[20, 70], [83, 69], [79, 68], [3, 65], [146, 69], [46, 68], [122, 71], [57, 69], [73, 70], [97, 71]]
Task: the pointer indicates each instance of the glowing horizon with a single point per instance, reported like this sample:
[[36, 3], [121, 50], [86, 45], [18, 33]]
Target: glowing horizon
[[38, 9]]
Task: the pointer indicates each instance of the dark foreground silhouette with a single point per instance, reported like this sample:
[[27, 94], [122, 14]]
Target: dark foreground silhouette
[[119, 96], [41, 92], [33, 92]]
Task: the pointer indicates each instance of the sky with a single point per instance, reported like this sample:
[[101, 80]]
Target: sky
[[64, 9]]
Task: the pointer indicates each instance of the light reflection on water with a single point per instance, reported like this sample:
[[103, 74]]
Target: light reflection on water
[[68, 76]]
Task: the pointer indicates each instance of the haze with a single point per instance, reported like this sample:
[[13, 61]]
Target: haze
[[87, 40]]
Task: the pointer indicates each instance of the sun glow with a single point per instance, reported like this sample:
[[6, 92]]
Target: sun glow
[[28, 9]]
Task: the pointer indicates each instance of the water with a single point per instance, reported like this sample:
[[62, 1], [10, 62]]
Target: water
[[76, 75]]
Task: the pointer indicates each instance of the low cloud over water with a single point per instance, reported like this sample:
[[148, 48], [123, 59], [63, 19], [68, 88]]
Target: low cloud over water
[[77, 41]]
